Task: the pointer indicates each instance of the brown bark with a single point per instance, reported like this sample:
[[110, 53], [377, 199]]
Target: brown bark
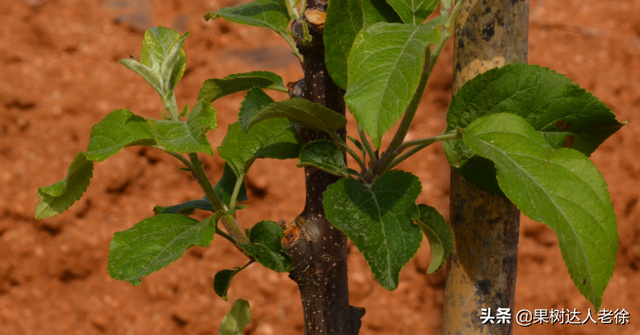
[[481, 271], [318, 250]]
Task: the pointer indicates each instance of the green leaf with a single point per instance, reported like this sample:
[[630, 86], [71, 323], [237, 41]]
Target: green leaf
[[214, 89], [303, 112], [154, 243], [379, 221], [345, 18], [237, 319], [226, 184], [385, 66], [162, 52], [266, 246], [174, 64], [56, 198], [255, 101], [162, 59], [562, 112], [560, 187], [439, 235], [188, 136], [326, 156], [222, 281], [185, 208], [270, 14], [276, 138], [414, 11], [119, 129], [147, 73]]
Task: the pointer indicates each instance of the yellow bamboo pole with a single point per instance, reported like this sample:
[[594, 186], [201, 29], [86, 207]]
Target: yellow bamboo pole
[[481, 271]]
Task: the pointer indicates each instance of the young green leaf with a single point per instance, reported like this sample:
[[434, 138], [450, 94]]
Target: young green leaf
[[237, 319], [214, 89], [562, 112], [439, 235], [119, 129], [56, 198], [345, 18], [303, 112], [276, 138], [147, 73], [326, 156], [226, 184], [266, 246], [559, 187], [222, 281], [255, 101], [414, 11], [385, 66], [154, 243], [162, 60], [379, 221], [174, 64], [270, 14], [188, 136], [185, 208]]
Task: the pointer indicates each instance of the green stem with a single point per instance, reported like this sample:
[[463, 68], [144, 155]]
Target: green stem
[[181, 158], [367, 146], [227, 220], [419, 145], [225, 235], [172, 107], [235, 244], [344, 145], [236, 190], [292, 44]]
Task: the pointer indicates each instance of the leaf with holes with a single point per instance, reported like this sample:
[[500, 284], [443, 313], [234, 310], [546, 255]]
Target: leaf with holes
[[56, 198], [119, 129], [214, 89], [266, 246], [188, 136], [154, 243], [562, 112], [385, 65], [439, 235], [559, 187], [303, 112], [345, 18], [379, 220]]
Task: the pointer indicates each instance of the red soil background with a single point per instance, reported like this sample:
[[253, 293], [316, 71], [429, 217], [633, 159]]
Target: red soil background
[[59, 76]]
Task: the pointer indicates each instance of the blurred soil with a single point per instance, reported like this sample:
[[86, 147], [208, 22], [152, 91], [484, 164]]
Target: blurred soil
[[59, 75]]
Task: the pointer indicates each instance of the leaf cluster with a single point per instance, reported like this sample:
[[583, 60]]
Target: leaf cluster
[[519, 131]]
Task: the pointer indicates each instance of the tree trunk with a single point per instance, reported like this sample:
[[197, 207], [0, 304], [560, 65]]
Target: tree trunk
[[481, 271], [318, 250]]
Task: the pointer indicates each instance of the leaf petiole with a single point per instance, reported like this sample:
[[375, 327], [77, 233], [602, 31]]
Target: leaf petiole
[[227, 220], [344, 145], [236, 189], [419, 145], [367, 146]]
